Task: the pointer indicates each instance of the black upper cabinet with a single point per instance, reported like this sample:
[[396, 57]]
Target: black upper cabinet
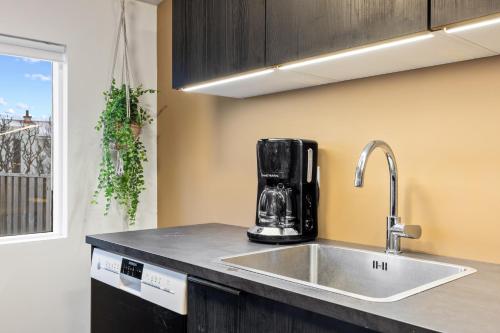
[[216, 38], [298, 29], [445, 12]]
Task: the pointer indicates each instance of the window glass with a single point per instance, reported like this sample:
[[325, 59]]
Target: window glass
[[26, 97]]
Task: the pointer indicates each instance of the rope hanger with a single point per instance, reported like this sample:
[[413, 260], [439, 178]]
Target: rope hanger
[[125, 70], [125, 76]]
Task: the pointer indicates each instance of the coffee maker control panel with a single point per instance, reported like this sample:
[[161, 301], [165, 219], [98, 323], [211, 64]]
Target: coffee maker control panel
[[308, 212]]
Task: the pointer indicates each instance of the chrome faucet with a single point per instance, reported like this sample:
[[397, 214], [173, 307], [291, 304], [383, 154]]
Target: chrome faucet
[[395, 229]]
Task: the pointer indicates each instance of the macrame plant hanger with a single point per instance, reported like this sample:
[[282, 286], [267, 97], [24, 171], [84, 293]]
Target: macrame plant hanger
[[125, 78]]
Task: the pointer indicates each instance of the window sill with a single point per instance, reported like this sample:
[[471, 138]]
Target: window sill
[[31, 238]]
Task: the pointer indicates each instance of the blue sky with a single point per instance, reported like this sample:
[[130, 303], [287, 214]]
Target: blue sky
[[25, 84]]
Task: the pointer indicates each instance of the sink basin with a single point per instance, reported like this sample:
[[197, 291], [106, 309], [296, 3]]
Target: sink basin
[[362, 274]]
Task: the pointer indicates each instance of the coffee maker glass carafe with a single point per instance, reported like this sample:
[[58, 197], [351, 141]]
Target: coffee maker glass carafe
[[275, 207]]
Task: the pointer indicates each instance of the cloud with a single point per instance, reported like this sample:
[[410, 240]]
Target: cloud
[[22, 106], [3, 101], [40, 77], [30, 60], [10, 111]]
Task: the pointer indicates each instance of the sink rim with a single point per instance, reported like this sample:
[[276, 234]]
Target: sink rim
[[465, 270]]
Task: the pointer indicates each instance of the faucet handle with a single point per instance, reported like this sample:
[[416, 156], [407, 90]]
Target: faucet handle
[[406, 231]]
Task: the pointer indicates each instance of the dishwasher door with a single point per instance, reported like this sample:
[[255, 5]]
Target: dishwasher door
[[115, 310], [128, 296]]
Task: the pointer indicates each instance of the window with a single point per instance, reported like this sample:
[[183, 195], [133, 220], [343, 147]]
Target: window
[[32, 140]]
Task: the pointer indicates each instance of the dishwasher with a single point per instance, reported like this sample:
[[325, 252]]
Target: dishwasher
[[129, 296]]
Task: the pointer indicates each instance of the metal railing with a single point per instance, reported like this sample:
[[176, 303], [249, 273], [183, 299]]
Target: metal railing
[[25, 204]]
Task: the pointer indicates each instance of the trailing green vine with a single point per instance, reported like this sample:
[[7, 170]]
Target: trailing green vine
[[121, 173]]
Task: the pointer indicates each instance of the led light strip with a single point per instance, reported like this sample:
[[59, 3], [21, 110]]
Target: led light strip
[[354, 52], [472, 26], [229, 80], [317, 60]]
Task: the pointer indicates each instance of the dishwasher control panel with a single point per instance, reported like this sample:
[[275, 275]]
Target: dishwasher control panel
[[132, 268], [112, 266], [158, 285], [155, 280]]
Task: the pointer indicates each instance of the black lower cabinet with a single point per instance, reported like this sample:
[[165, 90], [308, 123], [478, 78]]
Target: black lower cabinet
[[213, 308], [259, 314]]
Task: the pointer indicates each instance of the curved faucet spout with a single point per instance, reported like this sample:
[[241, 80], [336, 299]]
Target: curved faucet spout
[[395, 229], [393, 171]]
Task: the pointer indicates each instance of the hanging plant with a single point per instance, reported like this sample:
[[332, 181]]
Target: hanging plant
[[121, 172]]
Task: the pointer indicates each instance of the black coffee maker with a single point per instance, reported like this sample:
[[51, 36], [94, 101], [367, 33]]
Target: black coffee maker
[[288, 191]]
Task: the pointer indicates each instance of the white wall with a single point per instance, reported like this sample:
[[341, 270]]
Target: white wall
[[44, 286]]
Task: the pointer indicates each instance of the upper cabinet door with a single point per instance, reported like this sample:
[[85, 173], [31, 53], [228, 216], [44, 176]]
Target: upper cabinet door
[[444, 12], [297, 29], [216, 38]]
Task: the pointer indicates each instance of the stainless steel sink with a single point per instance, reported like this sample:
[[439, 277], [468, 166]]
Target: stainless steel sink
[[362, 274]]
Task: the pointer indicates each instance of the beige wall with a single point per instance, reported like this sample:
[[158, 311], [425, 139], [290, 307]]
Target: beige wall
[[443, 124]]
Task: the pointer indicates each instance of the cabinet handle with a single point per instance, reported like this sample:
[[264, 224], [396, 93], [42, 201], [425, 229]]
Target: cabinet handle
[[213, 285]]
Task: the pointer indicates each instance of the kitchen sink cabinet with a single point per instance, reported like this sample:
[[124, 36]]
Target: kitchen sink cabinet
[[444, 12], [297, 29], [259, 314], [216, 38], [213, 308]]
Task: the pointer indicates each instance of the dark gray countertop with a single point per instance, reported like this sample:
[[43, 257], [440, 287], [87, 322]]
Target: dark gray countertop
[[469, 304]]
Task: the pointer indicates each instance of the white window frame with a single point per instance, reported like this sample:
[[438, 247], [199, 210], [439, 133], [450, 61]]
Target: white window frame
[[56, 53]]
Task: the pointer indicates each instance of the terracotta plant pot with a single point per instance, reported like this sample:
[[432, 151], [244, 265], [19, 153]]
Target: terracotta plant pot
[[136, 130]]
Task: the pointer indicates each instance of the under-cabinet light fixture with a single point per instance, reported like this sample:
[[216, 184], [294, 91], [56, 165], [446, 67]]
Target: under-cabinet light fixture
[[357, 51], [229, 80], [472, 26]]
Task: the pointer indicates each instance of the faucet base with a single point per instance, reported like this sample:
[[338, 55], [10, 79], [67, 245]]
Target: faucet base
[[393, 244]]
